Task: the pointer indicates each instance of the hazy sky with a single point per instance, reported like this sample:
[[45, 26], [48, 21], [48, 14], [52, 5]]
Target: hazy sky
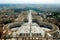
[[31, 1]]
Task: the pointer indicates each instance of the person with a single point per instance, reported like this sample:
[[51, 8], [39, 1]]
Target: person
[[1, 31]]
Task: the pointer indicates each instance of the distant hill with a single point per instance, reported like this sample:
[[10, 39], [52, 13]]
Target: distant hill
[[36, 7]]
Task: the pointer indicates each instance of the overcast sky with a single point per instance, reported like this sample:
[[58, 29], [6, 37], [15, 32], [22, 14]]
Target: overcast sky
[[30, 1]]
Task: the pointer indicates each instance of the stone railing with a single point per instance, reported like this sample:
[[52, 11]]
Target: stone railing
[[30, 38]]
